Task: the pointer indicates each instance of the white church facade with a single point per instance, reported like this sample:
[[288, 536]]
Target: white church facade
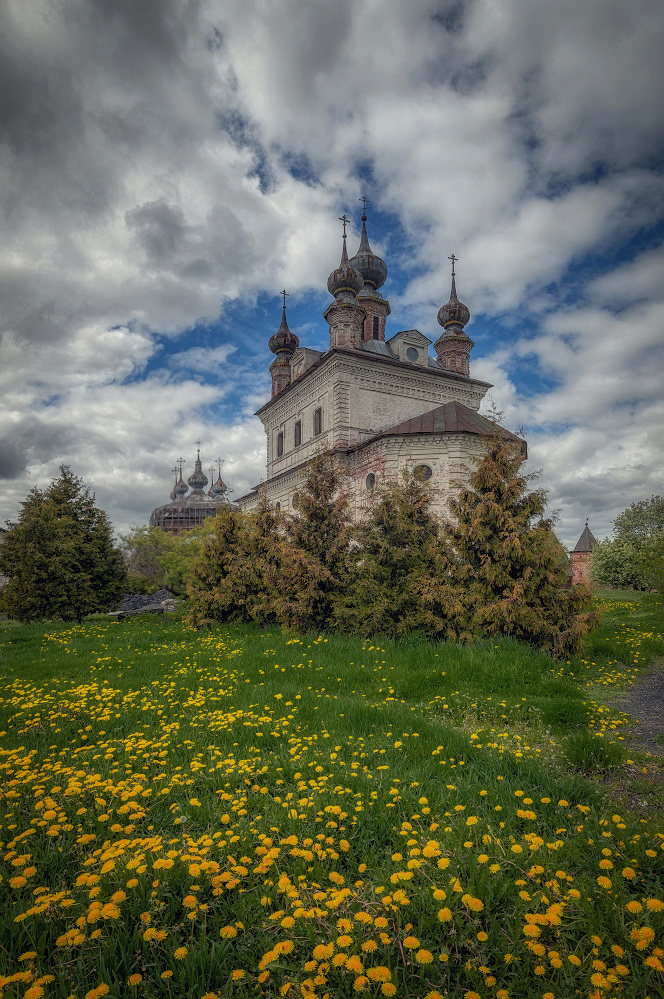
[[382, 406]]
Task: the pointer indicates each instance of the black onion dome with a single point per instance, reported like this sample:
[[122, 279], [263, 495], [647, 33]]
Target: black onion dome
[[198, 480], [454, 313], [345, 278], [372, 267], [283, 339], [180, 487], [218, 488]]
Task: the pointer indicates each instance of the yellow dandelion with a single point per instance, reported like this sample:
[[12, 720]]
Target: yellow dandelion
[[180, 953], [424, 957], [135, 979], [379, 974]]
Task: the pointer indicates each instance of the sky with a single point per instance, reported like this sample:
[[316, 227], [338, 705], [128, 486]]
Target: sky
[[168, 166]]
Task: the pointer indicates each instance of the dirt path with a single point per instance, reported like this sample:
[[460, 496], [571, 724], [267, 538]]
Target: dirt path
[[644, 701]]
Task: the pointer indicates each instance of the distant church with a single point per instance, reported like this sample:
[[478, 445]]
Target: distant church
[[190, 504], [380, 406]]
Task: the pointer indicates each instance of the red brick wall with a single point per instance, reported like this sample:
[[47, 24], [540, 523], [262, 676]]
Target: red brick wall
[[579, 562]]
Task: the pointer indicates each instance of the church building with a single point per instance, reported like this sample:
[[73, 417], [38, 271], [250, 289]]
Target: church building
[[380, 405]]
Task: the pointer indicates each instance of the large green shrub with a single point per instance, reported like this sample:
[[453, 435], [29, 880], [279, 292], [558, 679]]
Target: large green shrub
[[60, 555], [394, 548], [506, 570]]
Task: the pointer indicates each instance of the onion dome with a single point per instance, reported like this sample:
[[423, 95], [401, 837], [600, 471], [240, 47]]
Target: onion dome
[[372, 267], [198, 480], [173, 494], [180, 488], [454, 315], [283, 341], [218, 488], [345, 282]]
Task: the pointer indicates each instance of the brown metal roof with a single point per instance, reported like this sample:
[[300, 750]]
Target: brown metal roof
[[452, 418], [586, 542]]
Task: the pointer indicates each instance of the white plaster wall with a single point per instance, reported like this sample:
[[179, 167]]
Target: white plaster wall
[[360, 396]]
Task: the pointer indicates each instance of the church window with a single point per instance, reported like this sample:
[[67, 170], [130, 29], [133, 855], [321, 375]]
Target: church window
[[277, 505], [411, 354], [370, 481], [318, 421], [280, 444], [376, 327], [296, 500], [422, 472], [298, 433]]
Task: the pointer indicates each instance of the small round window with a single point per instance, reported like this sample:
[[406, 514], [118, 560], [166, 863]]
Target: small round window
[[296, 500], [422, 472], [370, 481], [411, 354]]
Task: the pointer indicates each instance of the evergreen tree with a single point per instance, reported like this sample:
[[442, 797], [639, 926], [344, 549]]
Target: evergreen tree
[[395, 552], [315, 554], [60, 556], [248, 569], [224, 582], [508, 577]]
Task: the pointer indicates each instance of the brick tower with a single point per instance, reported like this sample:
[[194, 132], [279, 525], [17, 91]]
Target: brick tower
[[579, 556]]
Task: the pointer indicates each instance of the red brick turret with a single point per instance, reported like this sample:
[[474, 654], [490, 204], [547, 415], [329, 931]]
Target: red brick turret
[[579, 556]]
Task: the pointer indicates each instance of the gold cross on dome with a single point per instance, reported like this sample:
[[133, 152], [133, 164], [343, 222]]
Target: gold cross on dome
[[454, 260], [285, 295], [342, 218]]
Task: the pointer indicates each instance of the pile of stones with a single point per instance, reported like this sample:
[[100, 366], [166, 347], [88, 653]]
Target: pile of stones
[[137, 601]]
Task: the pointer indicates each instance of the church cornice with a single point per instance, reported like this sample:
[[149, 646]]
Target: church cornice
[[355, 356]]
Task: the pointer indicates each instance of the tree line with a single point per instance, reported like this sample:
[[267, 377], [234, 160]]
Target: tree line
[[495, 568]]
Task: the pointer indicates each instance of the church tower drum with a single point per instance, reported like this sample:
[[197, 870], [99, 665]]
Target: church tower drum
[[374, 274], [454, 346]]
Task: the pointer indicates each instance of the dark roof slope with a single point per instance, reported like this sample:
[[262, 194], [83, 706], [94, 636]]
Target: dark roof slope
[[451, 418], [586, 542]]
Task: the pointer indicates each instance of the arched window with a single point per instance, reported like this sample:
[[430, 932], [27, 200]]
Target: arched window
[[296, 501], [370, 481], [298, 433], [277, 505], [318, 421], [376, 328], [280, 444]]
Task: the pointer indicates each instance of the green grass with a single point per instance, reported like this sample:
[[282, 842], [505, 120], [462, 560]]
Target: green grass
[[269, 786]]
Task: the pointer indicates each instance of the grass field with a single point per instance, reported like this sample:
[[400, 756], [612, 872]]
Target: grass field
[[241, 813]]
